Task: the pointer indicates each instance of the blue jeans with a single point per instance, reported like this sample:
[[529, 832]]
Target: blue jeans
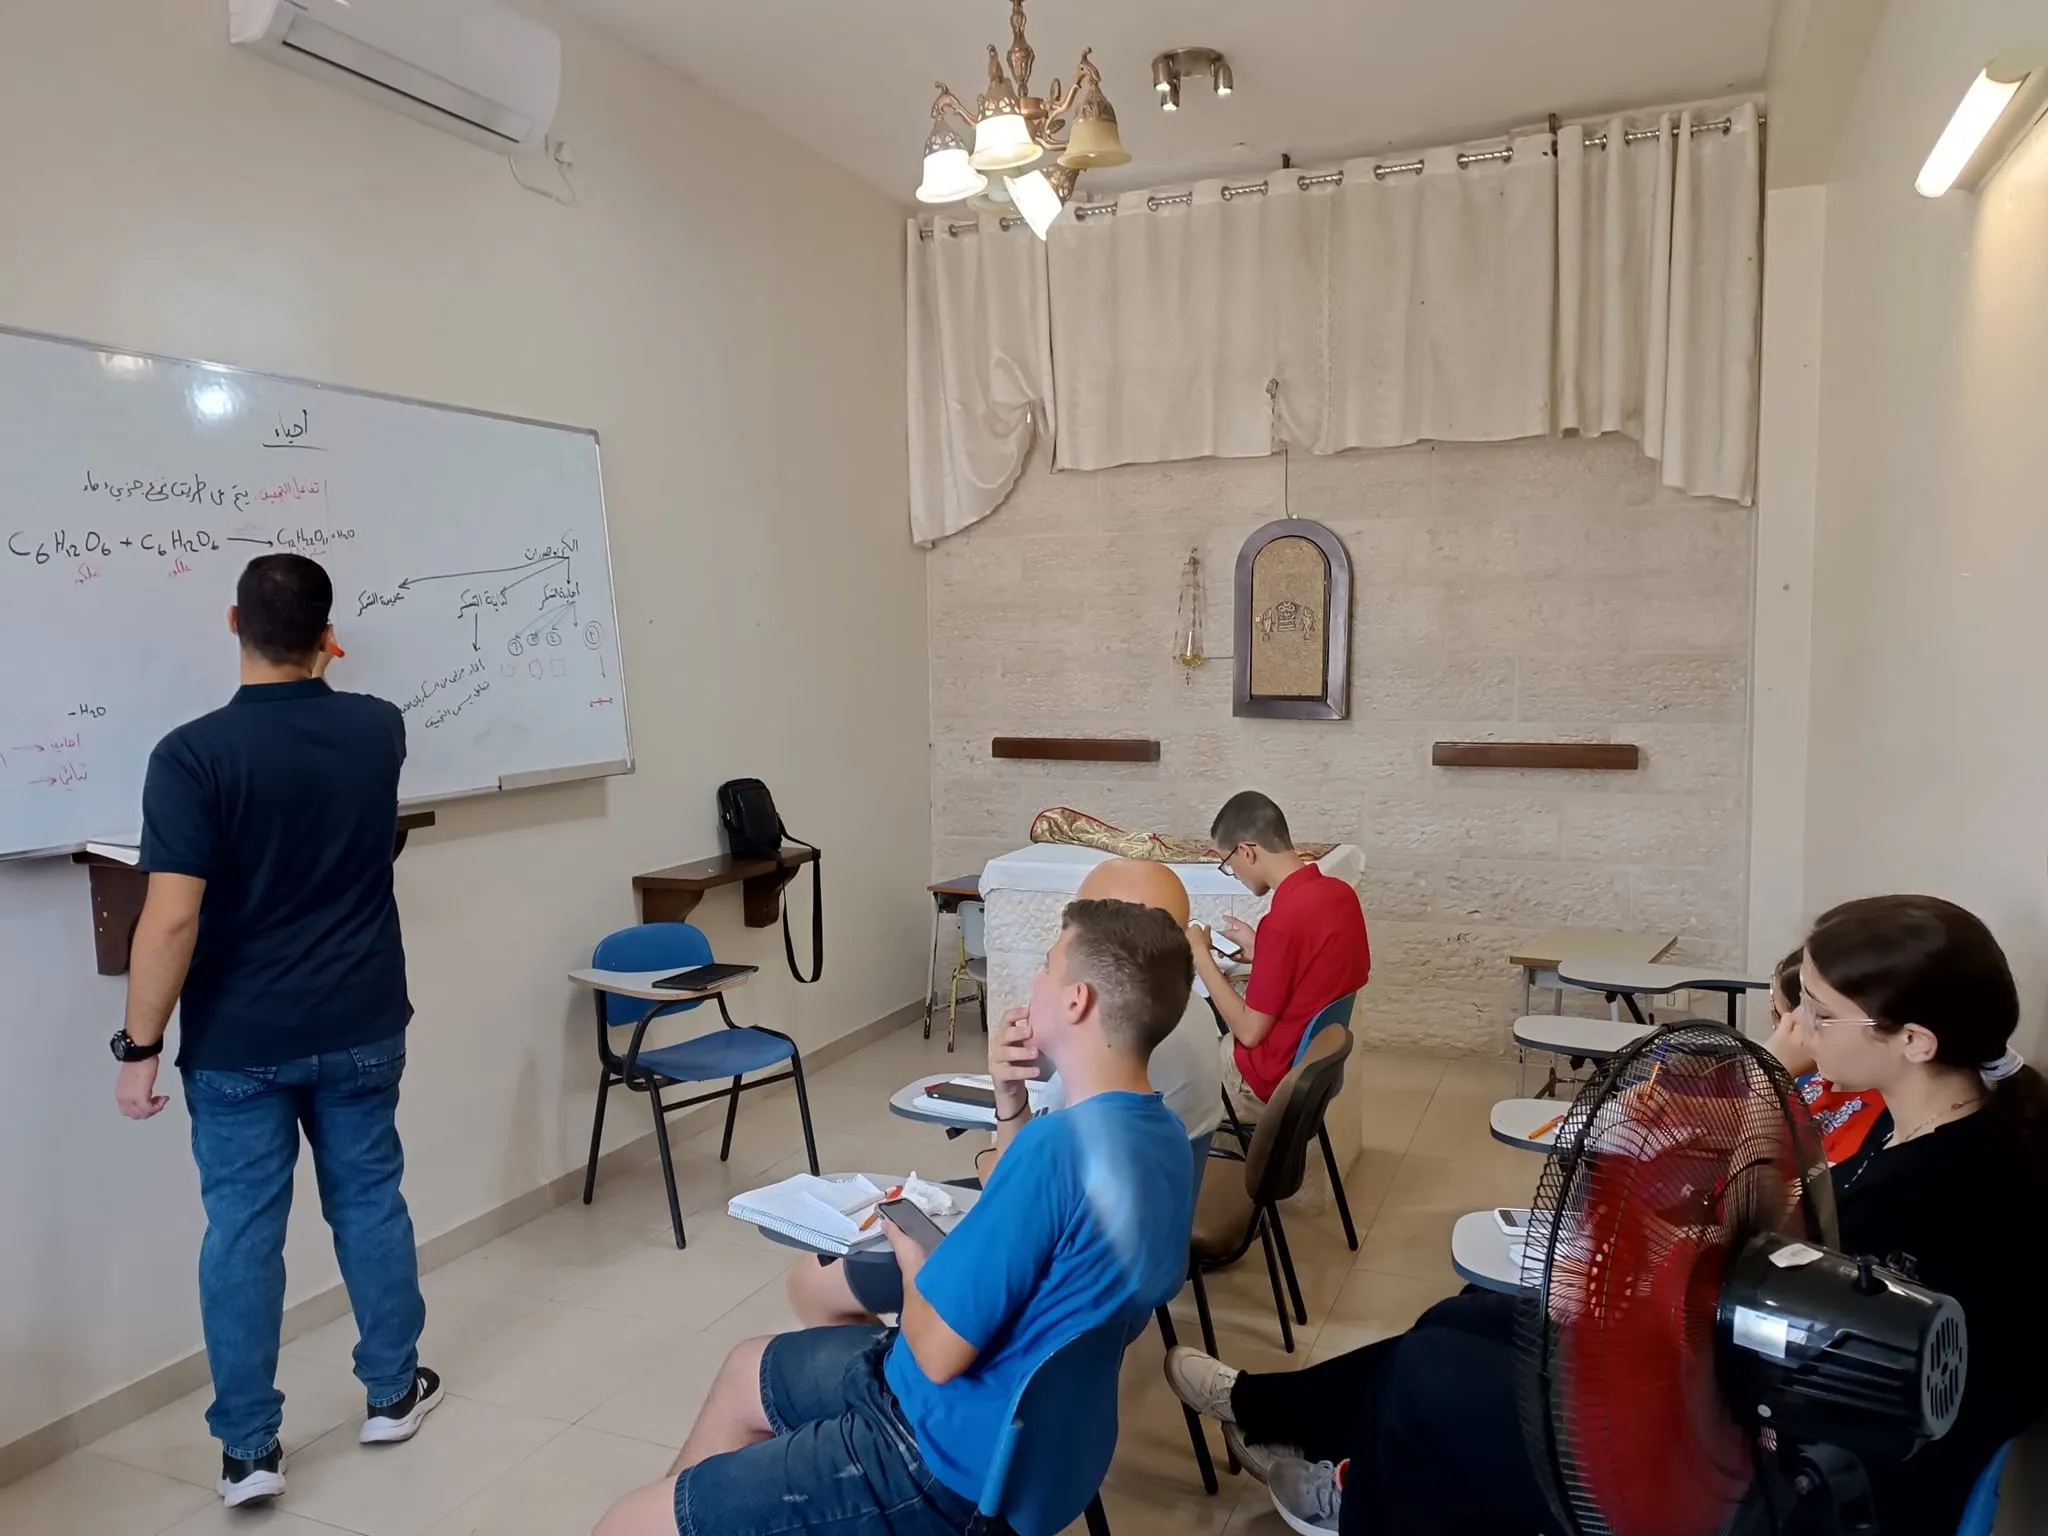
[[245, 1139], [842, 1461]]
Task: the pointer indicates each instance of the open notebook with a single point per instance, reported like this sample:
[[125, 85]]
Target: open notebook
[[824, 1213]]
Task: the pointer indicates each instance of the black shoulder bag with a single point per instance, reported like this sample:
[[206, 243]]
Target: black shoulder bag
[[754, 830]]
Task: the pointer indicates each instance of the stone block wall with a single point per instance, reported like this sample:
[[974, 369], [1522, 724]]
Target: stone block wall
[[1538, 590]]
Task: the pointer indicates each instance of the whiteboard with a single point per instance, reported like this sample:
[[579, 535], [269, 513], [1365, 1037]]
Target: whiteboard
[[472, 576]]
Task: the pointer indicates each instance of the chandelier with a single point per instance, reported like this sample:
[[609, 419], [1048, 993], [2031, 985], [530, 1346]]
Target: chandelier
[[1015, 132]]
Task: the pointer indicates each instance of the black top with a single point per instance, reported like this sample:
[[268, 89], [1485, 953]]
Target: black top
[[285, 802], [1978, 1229]]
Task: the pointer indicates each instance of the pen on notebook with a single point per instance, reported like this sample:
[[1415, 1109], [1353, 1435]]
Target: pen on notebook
[[876, 1214]]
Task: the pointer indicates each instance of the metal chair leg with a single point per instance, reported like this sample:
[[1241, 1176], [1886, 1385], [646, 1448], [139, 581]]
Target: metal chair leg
[[1279, 1298], [1287, 1264], [931, 975], [668, 1165], [1196, 1436], [1337, 1188], [1098, 1521], [1209, 1344], [732, 1113], [803, 1109], [604, 1089]]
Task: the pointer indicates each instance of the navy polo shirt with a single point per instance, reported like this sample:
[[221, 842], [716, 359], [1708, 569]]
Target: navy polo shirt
[[285, 802]]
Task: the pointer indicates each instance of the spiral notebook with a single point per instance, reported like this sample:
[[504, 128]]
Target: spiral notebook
[[821, 1212]]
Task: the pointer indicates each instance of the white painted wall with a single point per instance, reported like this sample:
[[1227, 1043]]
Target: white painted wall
[[1929, 717], [726, 310], [1795, 241]]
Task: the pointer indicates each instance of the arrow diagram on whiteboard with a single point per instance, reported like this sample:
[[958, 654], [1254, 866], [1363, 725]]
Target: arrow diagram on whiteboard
[[502, 570], [475, 620]]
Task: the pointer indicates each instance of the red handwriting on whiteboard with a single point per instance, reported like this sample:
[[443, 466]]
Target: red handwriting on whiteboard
[[65, 777], [84, 573], [180, 568], [293, 490], [599, 703]]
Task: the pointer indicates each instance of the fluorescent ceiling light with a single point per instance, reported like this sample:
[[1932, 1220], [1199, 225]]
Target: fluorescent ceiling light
[[1977, 114]]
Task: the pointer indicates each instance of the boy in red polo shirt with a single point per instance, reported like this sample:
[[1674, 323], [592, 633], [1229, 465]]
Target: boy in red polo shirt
[[1309, 950]]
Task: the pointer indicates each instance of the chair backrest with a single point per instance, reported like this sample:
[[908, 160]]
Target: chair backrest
[[1054, 1450], [974, 929], [1338, 1012], [648, 947], [1982, 1510], [1278, 1157]]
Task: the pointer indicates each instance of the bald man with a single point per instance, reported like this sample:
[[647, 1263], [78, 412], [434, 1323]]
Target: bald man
[[1184, 1069]]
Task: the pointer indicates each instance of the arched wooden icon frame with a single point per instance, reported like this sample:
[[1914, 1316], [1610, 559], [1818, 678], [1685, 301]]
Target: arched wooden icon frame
[[1334, 702]]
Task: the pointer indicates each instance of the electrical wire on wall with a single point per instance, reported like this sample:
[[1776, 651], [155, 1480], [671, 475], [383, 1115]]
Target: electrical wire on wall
[[560, 158]]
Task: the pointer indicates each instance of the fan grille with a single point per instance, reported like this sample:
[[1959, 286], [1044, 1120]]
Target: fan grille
[[1688, 1144]]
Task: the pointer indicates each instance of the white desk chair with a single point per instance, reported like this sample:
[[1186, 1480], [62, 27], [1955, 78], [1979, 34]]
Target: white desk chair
[[1577, 1041], [1485, 1256], [1626, 981]]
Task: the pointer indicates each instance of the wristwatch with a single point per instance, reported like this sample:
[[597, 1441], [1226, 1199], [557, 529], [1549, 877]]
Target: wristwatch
[[126, 1049]]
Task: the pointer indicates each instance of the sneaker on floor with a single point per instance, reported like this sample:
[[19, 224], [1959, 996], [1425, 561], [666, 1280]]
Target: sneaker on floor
[[1257, 1459], [1201, 1381], [1307, 1494], [244, 1482], [401, 1420]]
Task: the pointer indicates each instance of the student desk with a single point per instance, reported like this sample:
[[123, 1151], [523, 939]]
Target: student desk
[[1479, 1253], [1538, 957]]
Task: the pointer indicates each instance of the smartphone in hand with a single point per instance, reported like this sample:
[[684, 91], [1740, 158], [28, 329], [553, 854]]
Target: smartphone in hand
[[1226, 948], [912, 1222]]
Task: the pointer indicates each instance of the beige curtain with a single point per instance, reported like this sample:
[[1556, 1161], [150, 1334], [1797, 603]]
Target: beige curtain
[[1164, 324], [1434, 317], [980, 368], [1660, 290]]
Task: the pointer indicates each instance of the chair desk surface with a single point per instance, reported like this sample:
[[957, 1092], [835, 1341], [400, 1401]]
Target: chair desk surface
[[1479, 1253], [1642, 978], [961, 1117], [1568, 1035], [1543, 952], [964, 1198], [1513, 1122], [642, 983]]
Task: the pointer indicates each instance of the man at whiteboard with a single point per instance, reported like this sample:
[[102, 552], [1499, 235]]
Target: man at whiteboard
[[268, 828]]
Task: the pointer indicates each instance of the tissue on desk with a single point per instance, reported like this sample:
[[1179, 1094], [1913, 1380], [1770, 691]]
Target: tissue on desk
[[935, 1200]]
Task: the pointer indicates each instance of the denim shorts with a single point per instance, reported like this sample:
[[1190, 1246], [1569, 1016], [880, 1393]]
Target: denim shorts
[[843, 1458]]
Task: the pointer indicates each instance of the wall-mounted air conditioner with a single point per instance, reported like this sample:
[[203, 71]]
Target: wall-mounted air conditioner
[[471, 67]]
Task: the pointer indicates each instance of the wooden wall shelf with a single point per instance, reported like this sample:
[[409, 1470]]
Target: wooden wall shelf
[[1075, 749], [671, 895], [117, 890], [1599, 755]]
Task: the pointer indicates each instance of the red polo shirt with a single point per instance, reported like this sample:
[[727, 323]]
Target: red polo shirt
[[1311, 950]]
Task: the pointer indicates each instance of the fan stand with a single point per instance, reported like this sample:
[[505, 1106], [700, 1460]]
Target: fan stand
[[1811, 1490]]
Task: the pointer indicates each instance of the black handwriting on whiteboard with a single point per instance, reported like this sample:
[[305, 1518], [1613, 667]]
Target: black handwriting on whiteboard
[[290, 432]]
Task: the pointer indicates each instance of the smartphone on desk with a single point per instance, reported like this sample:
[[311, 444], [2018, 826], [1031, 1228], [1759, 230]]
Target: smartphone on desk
[[914, 1224], [969, 1094]]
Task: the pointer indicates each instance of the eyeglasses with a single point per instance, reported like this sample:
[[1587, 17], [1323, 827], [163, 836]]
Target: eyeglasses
[[1820, 1021], [1224, 862]]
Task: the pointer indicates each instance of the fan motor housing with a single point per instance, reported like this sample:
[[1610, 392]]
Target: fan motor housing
[[1821, 1347]]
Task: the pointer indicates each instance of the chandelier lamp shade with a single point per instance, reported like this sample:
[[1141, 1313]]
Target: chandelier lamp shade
[[1037, 145]]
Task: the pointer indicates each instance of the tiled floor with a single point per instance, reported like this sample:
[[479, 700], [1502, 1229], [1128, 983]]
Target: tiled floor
[[577, 1349]]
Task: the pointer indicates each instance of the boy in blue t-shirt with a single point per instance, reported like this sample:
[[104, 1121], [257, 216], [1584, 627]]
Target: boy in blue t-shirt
[[1084, 1222]]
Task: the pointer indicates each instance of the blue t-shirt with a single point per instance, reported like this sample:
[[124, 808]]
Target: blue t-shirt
[[1084, 1222], [285, 802]]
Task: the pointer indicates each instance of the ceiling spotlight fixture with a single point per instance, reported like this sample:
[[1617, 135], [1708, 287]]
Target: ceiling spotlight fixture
[[1013, 132], [1178, 64]]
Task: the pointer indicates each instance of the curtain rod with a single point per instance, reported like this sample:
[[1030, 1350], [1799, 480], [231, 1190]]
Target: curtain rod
[[1380, 172]]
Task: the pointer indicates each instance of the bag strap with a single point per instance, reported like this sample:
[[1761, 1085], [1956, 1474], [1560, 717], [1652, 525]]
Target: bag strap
[[817, 916]]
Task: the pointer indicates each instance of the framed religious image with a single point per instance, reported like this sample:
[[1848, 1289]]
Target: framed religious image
[[1293, 624]]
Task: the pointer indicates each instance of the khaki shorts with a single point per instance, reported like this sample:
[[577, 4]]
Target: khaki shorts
[[1248, 1105]]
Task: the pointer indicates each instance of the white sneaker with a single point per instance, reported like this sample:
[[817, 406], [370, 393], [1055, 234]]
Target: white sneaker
[[1202, 1382], [244, 1482], [1257, 1460], [401, 1420]]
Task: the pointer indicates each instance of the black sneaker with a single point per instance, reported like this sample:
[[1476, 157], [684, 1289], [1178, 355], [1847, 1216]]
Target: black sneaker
[[244, 1482], [401, 1420]]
